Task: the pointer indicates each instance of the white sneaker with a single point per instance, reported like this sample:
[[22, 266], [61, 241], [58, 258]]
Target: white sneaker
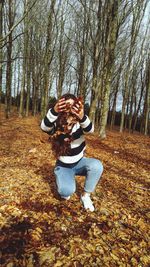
[[87, 202], [66, 198]]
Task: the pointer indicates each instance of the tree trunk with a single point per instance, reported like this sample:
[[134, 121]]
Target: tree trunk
[[112, 122], [34, 82], [96, 82], [114, 108], [24, 66], [18, 85], [1, 51], [108, 63], [131, 111], [81, 80], [138, 13], [139, 105], [28, 72], [9, 64], [15, 80], [47, 60], [83, 55], [28, 91], [147, 99]]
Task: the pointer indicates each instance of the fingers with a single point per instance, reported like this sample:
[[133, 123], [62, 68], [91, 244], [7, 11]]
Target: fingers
[[62, 100], [78, 110], [61, 105], [78, 107], [75, 109]]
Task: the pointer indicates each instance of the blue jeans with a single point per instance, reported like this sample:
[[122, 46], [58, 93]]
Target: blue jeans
[[65, 176]]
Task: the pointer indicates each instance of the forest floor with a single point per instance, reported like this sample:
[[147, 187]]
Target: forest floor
[[38, 229]]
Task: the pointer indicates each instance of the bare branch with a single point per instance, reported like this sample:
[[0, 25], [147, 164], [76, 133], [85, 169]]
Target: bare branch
[[18, 22], [12, 39]]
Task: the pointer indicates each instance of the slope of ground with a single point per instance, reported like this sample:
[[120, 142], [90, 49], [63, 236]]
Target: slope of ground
[[39, 229]]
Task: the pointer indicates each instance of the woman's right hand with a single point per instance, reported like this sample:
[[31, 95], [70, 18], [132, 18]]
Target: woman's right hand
[[60, 106]]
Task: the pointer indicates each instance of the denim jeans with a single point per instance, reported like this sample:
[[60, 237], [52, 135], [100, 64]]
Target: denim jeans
[[65, 176]]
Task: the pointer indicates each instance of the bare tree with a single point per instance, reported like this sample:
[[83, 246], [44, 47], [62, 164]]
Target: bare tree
[[146, 110], [1, 51], [9, 60], [109, 55], [96, 82], [24, 65], [48, 55], [138, 12], [63, 51]]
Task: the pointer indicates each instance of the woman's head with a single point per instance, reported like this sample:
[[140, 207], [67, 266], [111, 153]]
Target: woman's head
[[65, 122], [66, 118], [70, 100], [68, 96]]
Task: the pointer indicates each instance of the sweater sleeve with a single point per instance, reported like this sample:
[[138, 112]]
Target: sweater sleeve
[[87, 125], [48, 123]]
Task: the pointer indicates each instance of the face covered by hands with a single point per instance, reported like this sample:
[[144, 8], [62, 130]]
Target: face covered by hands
[[73, 106], [70, 111]]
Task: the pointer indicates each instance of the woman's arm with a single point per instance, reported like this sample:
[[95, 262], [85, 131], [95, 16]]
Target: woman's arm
[[86, 124], [48, 123]]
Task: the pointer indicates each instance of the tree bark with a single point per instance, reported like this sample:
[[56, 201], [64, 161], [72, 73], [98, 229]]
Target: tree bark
[[9, 63], [138, 108], [47, 60], [24, 66], [112, 122], [147, 99], [28, 67], [96, 82], [109, 63], [1, 51], [138, 13]]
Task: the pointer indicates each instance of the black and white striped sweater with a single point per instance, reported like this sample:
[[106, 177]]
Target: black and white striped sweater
[[78, 145]]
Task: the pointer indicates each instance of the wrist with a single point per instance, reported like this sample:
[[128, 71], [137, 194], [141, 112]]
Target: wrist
[[54, 112], [83, 118]]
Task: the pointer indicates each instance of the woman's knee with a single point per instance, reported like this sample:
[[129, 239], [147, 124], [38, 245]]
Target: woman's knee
[[97, 166], [66, 191]]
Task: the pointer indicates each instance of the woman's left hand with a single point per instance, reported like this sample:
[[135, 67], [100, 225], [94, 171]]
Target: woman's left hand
[[78, 110]]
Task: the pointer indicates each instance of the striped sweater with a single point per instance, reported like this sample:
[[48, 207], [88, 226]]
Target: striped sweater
[[78, 145]]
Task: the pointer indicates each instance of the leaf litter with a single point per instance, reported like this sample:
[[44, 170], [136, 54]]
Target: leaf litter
[[40, 229]]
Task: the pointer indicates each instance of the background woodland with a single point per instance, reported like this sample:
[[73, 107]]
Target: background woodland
[[100, 50], [94, 48]]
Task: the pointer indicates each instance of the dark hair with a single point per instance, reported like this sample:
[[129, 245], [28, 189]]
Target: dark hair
[[53, 100], [68, 96]]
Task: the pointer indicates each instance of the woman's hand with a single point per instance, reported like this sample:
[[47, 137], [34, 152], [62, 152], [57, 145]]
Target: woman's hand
[[60, 106], [78, 110]]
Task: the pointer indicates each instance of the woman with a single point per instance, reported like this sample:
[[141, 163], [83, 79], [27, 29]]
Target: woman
[[67, 122]]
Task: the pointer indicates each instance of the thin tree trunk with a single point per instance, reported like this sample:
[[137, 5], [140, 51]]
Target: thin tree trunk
[[114, 108], [138, 13], [15, 80], [34, 82], [96, 82], [131, 112], [147, 99], [1, 51], [9, 64], [82, 55], [23, 81], [139, 105], [18, 85], [28, 74]]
